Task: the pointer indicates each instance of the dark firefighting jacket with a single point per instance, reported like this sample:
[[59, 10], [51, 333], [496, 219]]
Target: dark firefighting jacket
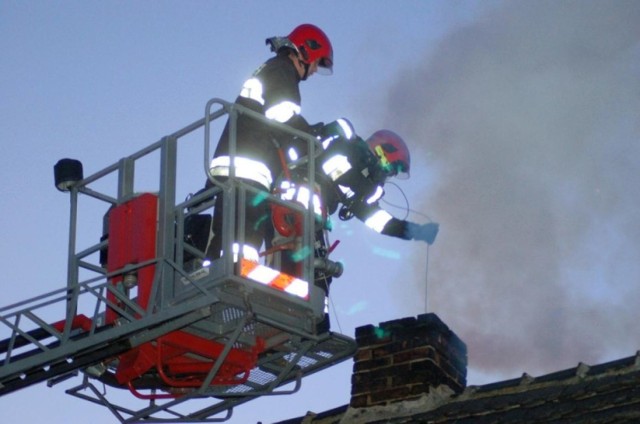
[[272, 91], [353, 179]]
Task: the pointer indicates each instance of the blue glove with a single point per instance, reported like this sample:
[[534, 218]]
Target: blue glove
[[425, 232]]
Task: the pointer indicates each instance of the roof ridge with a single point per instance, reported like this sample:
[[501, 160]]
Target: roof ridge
[[578, 373]]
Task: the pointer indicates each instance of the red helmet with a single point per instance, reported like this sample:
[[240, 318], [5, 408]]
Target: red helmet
[[313, 43], [392, 151]]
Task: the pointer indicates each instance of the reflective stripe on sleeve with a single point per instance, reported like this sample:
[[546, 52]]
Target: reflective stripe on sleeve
[[252, 89], [283, 111], [375, 196], [347, 129], [378, 220]]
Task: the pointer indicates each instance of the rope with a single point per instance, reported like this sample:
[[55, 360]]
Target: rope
[[406, 208], [426, 283]]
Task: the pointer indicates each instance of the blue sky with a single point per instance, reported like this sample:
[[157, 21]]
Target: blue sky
[[521, 116]]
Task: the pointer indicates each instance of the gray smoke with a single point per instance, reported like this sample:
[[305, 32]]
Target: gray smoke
[[530, 119]]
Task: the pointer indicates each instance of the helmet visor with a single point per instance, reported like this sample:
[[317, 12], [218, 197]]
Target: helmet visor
[[325, 66], [402, 174], [398, 170]]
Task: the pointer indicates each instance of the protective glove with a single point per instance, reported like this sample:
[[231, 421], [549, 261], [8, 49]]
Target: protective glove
[[425, 232]]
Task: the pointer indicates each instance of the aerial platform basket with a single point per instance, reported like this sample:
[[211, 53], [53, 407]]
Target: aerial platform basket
[[188, 342]]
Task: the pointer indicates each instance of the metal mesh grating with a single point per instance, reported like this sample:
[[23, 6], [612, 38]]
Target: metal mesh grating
[[261, 377], [303, 362], [225, 314]]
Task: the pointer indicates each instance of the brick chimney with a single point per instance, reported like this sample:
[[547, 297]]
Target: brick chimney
[[403, 359]]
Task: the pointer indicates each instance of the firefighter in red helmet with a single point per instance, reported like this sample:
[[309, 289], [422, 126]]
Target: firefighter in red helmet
[[354, 172], [273, 91], [313, 48], [351, 173]]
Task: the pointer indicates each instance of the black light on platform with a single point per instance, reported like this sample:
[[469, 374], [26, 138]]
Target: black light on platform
[[67, 173]]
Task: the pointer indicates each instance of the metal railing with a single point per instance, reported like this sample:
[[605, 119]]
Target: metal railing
[[32, 349]]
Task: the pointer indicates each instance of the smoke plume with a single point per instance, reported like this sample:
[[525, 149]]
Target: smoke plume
[[530, 121]]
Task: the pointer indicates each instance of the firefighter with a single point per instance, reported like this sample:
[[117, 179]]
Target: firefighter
[[273, 91], [353, 174]]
